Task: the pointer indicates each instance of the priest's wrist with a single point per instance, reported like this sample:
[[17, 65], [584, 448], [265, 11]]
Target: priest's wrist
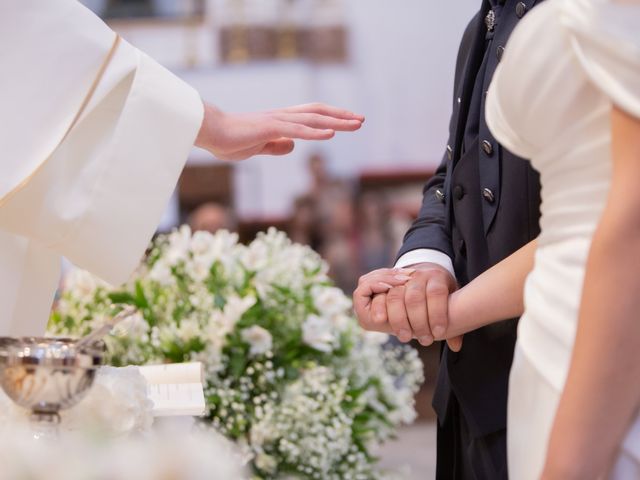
[[212, 116]]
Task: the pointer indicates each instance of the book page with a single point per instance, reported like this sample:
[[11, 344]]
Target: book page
[[175, 389], [173, 373]]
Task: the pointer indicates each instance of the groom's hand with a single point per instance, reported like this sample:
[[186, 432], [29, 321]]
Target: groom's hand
[[419, 308]]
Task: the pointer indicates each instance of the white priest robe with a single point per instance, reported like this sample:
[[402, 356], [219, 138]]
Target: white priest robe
[[93, 136]]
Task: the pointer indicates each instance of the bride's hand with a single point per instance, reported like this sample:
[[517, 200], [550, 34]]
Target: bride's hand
[[234, 137]]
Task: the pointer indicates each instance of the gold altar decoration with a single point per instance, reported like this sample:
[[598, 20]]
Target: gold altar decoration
[[311, 30]]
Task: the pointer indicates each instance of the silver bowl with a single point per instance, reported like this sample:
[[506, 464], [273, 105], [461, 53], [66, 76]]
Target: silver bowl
[[47, 375]]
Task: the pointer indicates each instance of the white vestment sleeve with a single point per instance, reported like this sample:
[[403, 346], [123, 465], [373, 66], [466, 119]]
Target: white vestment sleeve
[[97, 197], [100, 196], [28, 277]]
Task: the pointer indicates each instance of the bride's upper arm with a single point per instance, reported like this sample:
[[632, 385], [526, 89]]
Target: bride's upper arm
[[625, 144], [625, 130]]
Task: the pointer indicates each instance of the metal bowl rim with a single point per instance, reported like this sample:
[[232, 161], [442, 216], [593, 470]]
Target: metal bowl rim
[[13, 353]]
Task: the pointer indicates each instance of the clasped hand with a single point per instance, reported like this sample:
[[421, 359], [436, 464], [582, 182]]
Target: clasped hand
[[408, 303]]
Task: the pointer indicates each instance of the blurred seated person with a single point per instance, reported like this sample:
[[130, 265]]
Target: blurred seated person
[[375, 239], [211, 217], [339, 237], [303, 226], [320, 178]]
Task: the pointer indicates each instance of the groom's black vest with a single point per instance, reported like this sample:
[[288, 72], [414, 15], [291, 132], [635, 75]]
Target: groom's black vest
[[481, 205]]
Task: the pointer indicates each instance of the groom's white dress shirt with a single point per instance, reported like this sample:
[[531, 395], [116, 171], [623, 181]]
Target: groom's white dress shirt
[[91, 188], [426, 255]]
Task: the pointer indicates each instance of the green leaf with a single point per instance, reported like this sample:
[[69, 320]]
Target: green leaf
[[141, 299], [219, 300], [122, 297], [238, 361]]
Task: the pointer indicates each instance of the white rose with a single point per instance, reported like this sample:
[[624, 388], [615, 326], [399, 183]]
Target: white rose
[[189, 328], [220, 323], [223, 244], [266, 463], [199, 267], [82, 283], [258, 338], [317, 333], [201, 242], [255, 257], [277, 239], [161, 273], [217, 327], [375, 338], [179, 244], [330, 301], [201, 298], [405, 412], [237, 306], [134, 326], [166, 333], [117, 403], [342, 322]]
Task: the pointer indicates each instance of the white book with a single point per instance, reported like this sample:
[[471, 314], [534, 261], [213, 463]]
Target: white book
[[175, 389]]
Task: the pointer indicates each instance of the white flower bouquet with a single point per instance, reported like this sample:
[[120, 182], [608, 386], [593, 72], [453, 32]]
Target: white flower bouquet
[[290, 377], [201, 455]]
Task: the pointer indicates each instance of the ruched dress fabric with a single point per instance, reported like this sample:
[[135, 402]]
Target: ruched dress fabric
[[551, 103]]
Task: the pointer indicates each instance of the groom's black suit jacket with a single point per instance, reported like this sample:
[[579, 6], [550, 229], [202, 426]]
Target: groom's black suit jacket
[[481, 205]]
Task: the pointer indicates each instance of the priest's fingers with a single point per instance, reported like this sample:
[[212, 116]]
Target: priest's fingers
[[295, 130], [455, 343], [323, 109], [398, 314], [315, 120], [415, 299], [282, 146], [234, 156]]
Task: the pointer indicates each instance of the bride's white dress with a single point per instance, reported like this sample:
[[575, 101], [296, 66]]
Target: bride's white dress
[[550, 101]]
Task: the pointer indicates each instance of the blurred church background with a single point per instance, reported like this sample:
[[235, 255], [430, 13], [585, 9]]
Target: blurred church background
[[352, 198]]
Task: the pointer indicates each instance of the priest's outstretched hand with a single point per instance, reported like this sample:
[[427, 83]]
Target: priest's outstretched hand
[[239, 136], [95, 135]]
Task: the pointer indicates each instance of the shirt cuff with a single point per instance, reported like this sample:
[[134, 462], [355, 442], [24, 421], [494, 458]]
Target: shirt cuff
[[426, 255]]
